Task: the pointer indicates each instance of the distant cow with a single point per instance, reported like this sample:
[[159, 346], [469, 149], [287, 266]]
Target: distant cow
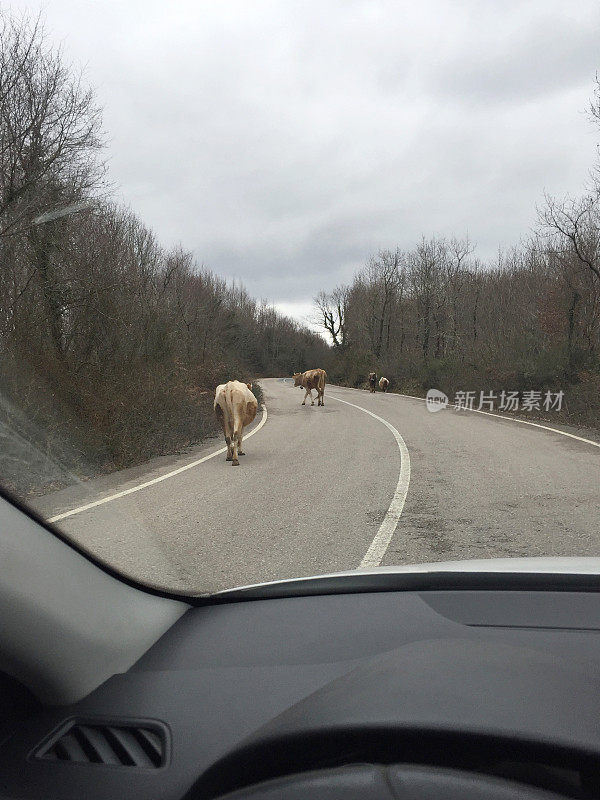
[[309, 380], [235, 407], [383, 384], [372, 381]]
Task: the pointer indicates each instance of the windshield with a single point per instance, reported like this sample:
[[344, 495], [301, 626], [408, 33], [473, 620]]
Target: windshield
[[290, 289]]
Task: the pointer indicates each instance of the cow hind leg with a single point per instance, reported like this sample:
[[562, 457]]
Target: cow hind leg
[[229, 440], [224, 422], [235, 462], [249, 417], [237, 443]]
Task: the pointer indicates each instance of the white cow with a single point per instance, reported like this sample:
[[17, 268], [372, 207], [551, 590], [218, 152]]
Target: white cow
[[235, 407]]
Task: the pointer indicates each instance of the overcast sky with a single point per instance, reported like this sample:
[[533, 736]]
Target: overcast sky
[[284, 142]]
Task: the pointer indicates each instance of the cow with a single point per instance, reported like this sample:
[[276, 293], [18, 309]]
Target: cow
[[235, 407], [309, 380], [372, 381], [383, 384]]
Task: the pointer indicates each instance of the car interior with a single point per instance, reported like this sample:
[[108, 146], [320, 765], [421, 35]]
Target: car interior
[[299, 400], [378, 683]]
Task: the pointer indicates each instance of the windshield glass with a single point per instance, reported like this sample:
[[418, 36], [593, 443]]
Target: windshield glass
[[296, 288]]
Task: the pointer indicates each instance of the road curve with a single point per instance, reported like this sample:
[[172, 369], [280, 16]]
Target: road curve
[[318, 485]]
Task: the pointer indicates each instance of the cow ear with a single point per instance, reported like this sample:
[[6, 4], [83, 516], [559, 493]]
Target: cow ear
[[249, 385]]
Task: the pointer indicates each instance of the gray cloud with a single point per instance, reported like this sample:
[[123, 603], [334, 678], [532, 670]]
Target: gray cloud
[[285, 142], [522, 53]]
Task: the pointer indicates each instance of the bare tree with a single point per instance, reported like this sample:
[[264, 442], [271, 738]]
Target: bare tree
[[49, 139], [427, 265], [382, 275], [50, 127], [332, 310], [459, 251], [574, 225]]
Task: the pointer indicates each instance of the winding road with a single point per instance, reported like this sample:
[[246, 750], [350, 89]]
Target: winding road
[[369, 479]]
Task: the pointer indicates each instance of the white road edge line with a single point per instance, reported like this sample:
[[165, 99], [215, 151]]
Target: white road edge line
[[378, 547], [511, 419], [154, 481]]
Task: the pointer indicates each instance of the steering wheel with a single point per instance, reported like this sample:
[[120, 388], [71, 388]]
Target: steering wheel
[[391, 782]]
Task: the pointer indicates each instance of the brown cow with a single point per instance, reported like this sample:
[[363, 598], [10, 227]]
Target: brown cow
[[309, 380], [235, 407], [372, 381], [383, 384]]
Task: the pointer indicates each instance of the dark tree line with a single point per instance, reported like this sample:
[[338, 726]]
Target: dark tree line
[[437, 317], [110, 345]]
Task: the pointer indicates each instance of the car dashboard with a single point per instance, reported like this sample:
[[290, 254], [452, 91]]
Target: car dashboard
[[283, 697]]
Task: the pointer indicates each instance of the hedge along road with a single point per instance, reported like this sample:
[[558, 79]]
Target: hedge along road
[[333, 488]]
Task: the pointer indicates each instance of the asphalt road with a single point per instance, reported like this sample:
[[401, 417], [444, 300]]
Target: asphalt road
[[321, 488]]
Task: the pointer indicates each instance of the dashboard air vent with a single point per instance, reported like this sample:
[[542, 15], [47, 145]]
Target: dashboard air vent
[[124, 744]]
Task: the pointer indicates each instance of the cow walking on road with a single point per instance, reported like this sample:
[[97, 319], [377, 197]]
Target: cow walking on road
[[372, 381], [309, 380], [383, 384], [235, 407]]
